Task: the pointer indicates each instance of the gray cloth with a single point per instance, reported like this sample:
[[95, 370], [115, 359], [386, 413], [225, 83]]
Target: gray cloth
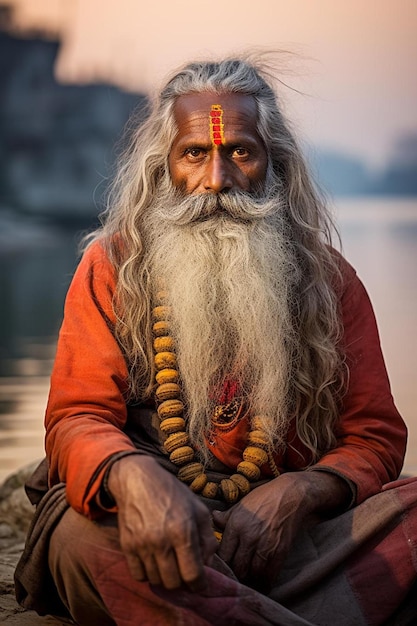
[[34, 586]]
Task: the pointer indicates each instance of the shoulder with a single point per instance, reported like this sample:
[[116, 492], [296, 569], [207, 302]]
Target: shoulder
[[346, 281], [96, 262], [94, 279], [346, 271], [353, 298], [96, 252]]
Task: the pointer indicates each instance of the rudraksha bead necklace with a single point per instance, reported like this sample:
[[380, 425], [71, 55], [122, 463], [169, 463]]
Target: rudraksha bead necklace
[[173, 425]]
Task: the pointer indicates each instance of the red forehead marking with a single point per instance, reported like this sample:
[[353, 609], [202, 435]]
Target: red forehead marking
[[216, 124]]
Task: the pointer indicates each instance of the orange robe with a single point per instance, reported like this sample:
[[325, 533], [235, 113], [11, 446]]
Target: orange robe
[[87, 414]]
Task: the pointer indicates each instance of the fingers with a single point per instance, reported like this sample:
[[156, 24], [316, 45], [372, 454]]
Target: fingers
[[259, 565], [170, 574], [241, 560], [162, 568], [245, 556], [240, 544], [229, 545], [196, 552], [173, 568], [208, 542], [191, 567], [169, 539], [220, 518], [136, 567], [176, 558]]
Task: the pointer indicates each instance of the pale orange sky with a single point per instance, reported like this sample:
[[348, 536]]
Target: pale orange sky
[[359, 72]]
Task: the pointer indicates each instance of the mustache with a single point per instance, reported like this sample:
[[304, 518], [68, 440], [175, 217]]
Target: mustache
[[182, 209]]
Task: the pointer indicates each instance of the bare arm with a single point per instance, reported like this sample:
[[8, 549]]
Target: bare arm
[[165, 531]]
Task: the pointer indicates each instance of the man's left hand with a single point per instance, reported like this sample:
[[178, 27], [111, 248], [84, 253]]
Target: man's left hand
[[258, 531]]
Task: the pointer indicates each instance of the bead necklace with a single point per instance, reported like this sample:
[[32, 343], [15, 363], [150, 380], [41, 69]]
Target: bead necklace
[[177, 443]]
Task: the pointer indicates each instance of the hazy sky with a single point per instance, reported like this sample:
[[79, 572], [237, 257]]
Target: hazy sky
[[359, 67]]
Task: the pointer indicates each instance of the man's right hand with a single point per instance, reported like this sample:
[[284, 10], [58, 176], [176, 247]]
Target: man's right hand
[[165, 531]]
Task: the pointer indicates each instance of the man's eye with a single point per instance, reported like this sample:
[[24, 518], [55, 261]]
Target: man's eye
[[194, 153], [240, 152]]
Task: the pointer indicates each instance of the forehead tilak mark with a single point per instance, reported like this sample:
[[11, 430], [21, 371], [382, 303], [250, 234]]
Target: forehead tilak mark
[[216, 124]]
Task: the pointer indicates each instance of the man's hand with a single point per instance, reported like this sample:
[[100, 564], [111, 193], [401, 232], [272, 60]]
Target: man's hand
[[258, 531], [165, 531]]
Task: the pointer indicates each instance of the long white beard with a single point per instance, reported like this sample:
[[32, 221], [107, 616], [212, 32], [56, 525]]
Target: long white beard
[[230, 272]]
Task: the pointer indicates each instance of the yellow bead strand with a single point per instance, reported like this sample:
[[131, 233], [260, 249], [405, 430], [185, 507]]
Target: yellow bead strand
[[170, 410]]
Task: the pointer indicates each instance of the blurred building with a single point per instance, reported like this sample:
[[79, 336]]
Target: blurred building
[[57, 141]]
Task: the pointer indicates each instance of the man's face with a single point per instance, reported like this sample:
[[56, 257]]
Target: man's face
[[217, 148]]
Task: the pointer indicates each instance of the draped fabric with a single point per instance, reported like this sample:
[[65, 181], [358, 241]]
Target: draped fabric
[[356, 569]]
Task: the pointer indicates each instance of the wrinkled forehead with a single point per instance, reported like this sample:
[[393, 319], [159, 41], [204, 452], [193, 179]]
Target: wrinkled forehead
[[215, 112]]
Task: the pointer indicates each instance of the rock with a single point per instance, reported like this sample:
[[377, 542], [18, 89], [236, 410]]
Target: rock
[[15, 515], [5, 531], [16, 512], [15, 509], [17, 479]]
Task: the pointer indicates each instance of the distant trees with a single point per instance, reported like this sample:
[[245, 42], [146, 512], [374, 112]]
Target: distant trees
[[400, 175]]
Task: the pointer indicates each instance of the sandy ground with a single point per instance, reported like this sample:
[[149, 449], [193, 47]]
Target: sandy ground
[[10, 611]]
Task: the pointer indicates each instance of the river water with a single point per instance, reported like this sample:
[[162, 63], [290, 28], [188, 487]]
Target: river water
[[379, 239]]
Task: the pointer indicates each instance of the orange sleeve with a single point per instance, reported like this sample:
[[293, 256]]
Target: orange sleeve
[[86, 410], [372, 435]]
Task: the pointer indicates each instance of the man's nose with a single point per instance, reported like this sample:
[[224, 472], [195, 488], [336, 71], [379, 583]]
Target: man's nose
[[218, 175]]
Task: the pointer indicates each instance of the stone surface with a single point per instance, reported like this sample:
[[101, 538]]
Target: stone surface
[[15, 515]]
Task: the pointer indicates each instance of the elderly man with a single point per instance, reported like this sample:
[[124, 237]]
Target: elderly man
[[220, 428]]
